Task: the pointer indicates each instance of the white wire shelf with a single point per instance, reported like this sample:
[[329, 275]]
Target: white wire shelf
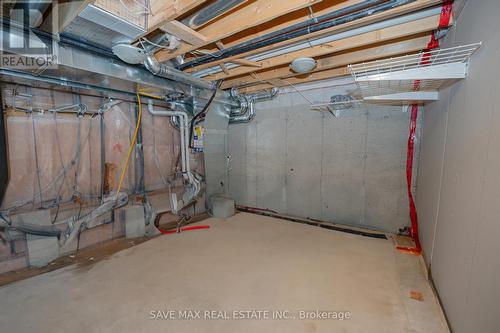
[[425, 71]]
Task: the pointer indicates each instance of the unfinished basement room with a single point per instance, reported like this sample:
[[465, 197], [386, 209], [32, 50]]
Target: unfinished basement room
[[250, 166]]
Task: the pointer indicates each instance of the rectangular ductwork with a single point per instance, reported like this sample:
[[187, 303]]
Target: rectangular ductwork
[[98, 26]]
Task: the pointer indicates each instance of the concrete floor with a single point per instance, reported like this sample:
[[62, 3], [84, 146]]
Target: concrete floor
[[246, 262]]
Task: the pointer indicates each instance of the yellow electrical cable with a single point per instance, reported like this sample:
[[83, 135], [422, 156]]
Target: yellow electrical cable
[[150, 95], [139, 116]]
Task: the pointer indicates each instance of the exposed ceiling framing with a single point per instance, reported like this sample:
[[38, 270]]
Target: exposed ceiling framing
[[361, 39]]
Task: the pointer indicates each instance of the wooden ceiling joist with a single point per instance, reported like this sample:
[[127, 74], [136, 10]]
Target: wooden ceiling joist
[[336, 60], [163, 11], [323, 75], [255, 13], [377, 36], [184, 33], [245, 62], [405, 9], [301, 15]]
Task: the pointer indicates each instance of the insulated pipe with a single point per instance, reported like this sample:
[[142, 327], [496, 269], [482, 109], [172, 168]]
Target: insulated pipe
[[250, 100], [332, 19], [174, 74]]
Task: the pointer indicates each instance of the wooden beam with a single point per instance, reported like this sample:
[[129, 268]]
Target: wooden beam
[[224, 69], [318, 9], [323, 75], [337, 60], [411, 7], [166, 11], [377, 36], [255, 13], [220, 45], [67, 11], [245, 62], [184, 33]]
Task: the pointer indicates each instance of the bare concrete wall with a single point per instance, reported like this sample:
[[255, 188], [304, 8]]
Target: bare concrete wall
[[459, 184], [348, 169]]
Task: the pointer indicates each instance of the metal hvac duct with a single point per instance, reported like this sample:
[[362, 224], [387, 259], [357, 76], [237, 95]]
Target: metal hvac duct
[[247, 111], [174, 74], [79, 67]]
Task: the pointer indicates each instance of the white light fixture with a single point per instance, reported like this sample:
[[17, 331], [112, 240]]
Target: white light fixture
[[303, 65], [130, 54]]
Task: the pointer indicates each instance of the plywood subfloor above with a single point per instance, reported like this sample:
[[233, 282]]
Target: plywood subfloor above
[[246, 262]]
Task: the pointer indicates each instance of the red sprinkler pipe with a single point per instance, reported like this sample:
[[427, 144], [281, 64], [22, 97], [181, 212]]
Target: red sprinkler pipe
[[444, 21], [194, 227], [409, 175]]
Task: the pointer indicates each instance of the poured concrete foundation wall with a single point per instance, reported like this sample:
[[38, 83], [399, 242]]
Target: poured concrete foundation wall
[[347, 169], [458, 194]]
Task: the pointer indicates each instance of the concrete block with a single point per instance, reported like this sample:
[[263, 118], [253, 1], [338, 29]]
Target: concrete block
[[41, 250], [221, 206], [135, 225]]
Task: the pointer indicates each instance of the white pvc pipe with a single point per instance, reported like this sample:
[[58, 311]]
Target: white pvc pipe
[[184, 133]]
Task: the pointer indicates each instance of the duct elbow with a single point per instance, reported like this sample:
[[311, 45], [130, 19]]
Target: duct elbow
[[152, 65], [246, 112]]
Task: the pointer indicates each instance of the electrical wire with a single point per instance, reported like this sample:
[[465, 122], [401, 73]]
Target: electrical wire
[[131, 148], [202, 113], [154, 44]]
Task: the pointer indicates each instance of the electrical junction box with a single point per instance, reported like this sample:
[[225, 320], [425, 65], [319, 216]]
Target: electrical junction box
[[199, 133]]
